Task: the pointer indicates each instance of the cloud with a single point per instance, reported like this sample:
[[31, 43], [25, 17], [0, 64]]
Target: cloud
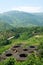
[[28, 9], [23, 8], [4, 10]]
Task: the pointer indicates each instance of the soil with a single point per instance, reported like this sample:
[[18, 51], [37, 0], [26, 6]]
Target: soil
[[18, 52]]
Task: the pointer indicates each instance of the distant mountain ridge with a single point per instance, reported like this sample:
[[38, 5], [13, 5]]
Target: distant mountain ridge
[[21, 19]]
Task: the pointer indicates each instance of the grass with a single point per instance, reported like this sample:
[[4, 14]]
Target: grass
[[34, 40]]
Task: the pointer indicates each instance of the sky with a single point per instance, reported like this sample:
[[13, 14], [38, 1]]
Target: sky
[[31, 6]]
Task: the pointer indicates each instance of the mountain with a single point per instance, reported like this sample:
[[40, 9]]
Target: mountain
[[20, 19], [5, 26]]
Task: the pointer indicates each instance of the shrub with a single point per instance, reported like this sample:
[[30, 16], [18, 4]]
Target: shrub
[[9, 61]]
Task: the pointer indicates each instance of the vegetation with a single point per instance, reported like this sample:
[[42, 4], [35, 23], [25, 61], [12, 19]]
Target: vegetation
[[20, 19], [32, 60], [30, 36], [20, 27]]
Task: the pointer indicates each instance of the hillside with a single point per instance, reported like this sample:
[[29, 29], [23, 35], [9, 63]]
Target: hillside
[[21, 19], [26, 46], [5, 26]]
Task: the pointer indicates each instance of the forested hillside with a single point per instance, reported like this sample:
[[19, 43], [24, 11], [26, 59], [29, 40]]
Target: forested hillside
[[20, 19]]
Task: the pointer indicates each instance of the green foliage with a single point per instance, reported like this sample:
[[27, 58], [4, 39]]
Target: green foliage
[[40, 45], [9, 61], [4, 42], [41, 53], [24, 27], [31, 35], [21, 35], [17, 36], [20, 19], [32, 59]]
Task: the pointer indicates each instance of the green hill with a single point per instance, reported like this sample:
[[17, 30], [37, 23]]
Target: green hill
[[4, 26], [21, 19]]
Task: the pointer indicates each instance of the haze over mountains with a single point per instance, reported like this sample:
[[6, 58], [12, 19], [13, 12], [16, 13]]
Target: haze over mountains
[[20, 19]]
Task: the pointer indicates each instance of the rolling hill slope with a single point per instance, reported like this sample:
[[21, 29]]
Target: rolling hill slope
[[4, 26], [20, 19]]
